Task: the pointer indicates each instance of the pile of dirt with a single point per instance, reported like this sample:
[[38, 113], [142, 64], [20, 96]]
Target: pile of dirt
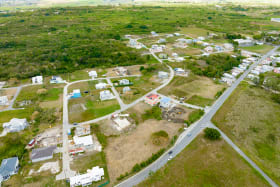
[[42, 91]]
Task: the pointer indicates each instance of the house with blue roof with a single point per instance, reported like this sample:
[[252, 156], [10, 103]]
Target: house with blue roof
[[8, 168], [165, 102], [76, 94]]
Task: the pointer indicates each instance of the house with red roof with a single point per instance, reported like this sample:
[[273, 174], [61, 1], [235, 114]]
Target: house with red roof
[[152, 99]]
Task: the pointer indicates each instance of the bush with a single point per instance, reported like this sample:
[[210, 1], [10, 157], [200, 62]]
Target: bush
[[194, 116], [212, 134], [154, 113], [160, 134]]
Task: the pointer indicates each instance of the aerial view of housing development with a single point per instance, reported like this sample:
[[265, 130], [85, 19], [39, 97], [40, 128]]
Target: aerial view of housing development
[[145, 93]]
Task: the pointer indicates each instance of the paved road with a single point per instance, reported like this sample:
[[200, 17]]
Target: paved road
[[189, 135], [10, 107], [116, 93]]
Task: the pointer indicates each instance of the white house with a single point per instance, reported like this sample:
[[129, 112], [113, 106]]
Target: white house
[[201, 38], [56, 80], [4, 100], [154, 33], [124, 82], [92, 74], [93, 175], [126, 89], [15, 125], [179, 71], [162, 74], [84, 141], [275, 19], [37, 80], [228, 46], [106, 95], [244, 42], [157, 49], [209, 49], [101, 85], [161, 40]]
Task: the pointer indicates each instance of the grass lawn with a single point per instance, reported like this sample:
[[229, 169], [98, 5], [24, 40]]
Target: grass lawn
[[205, 163], [194, 32], [90, 107], [8, 115], [251, 119], [262, 49], [76, 75], [197, 90], [200, 101], [40, 93]]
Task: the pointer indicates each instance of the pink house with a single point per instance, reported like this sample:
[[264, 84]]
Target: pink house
[[277, 70], [152, 99]]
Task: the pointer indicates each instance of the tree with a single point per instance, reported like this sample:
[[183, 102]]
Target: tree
[[212, 134]]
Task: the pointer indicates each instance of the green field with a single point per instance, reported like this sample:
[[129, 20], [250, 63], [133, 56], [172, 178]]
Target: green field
[[262, 49], [251, 119], [205, 163], [89, 106], [39, 93]]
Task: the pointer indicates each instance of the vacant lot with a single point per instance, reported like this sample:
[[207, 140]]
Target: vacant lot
[[140, 86], [127, 150], [194, 32], [262, 49], [90, 107], [37, 94], [196, 89], [251, 119], [205, 163]]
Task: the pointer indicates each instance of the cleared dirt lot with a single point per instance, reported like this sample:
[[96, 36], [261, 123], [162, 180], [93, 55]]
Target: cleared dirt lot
[[197, 90], [127, 150]]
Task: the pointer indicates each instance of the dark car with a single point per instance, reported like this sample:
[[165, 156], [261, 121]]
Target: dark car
[[170, 152], [75, 123]]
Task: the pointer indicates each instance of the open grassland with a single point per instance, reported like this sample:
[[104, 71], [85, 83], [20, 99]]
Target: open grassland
[[251, 119], [197, 90], [205, 163], [262, 49]]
